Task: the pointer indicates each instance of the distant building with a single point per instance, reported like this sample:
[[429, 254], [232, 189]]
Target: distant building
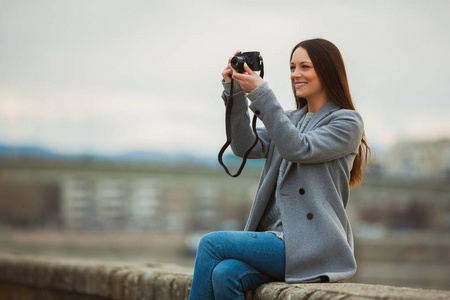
[[150, 198], [105, 203], [418, 160]]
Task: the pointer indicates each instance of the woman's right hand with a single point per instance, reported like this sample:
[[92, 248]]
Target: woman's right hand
[[228, 71]]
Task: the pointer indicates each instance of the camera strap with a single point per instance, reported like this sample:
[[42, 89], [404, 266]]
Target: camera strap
[[228, 110]]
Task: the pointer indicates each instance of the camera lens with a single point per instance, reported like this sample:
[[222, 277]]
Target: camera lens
[[237, 61]]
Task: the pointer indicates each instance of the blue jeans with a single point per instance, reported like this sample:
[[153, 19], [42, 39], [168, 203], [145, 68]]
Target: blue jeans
[[228, 263]]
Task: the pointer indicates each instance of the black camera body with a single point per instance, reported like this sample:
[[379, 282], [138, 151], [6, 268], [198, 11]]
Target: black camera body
[[253, 60]]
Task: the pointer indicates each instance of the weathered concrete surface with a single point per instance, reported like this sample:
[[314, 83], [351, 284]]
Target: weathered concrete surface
[[335, 291], [26, 277], [90, 279]]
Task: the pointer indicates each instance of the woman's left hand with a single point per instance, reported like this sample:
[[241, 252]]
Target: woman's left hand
[[248, 80]]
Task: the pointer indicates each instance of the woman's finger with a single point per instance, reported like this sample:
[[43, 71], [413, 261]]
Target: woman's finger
[[226, 74], [233, 72], [248, 70]]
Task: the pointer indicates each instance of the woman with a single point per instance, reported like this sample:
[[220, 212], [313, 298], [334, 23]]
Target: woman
[[297, 230]]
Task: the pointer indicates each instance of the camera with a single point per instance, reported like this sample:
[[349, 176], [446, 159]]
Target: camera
[[253, 60]]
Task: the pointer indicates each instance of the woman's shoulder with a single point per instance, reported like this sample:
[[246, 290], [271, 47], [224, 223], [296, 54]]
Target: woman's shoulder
[[347, 114], [348, 118]]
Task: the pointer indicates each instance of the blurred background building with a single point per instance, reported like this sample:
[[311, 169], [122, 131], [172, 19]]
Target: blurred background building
[[415, 160]]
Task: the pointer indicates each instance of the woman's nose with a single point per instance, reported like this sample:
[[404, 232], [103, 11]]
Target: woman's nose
[[296, 74]]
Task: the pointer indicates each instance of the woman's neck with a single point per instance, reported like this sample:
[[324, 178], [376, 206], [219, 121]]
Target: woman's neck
[[316, 103]]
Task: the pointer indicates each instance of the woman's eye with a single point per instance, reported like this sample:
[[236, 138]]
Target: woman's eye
[[305, 67], [292, 68]]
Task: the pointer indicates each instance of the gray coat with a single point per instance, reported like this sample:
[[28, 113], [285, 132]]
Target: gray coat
[[314, 191]]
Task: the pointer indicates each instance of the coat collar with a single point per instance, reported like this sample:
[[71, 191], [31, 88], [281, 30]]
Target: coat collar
[[297, 115], [324, 111]]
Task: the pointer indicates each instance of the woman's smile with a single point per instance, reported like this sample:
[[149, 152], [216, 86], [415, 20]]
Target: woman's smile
[[299, 85]]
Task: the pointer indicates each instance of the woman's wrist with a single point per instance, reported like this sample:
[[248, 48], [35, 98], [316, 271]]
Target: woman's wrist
[[260, 89], [227, 87]]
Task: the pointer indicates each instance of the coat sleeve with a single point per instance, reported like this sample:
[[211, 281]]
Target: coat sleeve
[[241, 132], [335, 135]]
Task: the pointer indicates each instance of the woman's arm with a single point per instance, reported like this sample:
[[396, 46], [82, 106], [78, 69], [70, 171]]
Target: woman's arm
[[241, 132], [335, 136]]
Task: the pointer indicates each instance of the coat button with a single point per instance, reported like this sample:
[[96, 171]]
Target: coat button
[[301, 191], [257, 112], [309, 216]]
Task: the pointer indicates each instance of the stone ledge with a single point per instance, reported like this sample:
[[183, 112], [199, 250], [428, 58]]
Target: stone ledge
[[95, 280], [108, 280], [347, 291]]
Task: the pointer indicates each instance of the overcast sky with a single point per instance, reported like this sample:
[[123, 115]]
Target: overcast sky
[[112, 76]]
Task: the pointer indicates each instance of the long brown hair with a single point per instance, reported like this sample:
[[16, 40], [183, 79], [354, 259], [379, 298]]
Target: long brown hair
[[329, 65]]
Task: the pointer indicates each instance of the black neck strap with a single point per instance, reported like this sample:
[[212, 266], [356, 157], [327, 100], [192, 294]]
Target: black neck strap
[[228, 132]]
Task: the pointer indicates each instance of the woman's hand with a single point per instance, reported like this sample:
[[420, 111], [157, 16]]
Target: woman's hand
[[248, 80], [228, 71]]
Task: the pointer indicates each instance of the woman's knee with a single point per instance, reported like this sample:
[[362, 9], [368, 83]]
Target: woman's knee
[[220, 272], [209, 240], [224, 274]]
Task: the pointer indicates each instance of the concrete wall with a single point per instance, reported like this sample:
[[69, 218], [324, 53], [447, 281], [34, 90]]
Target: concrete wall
[[27, 277]]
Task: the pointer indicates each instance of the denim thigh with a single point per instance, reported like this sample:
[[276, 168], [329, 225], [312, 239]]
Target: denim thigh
[[258, 251], [262, 250]]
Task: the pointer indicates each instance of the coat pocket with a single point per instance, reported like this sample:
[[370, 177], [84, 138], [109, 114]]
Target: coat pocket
[[331, 213]]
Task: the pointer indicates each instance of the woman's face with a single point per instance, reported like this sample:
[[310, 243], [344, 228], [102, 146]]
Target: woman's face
[[304, 78]]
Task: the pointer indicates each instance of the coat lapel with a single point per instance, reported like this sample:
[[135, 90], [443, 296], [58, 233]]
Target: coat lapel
[[327, 109], [298, 114]]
